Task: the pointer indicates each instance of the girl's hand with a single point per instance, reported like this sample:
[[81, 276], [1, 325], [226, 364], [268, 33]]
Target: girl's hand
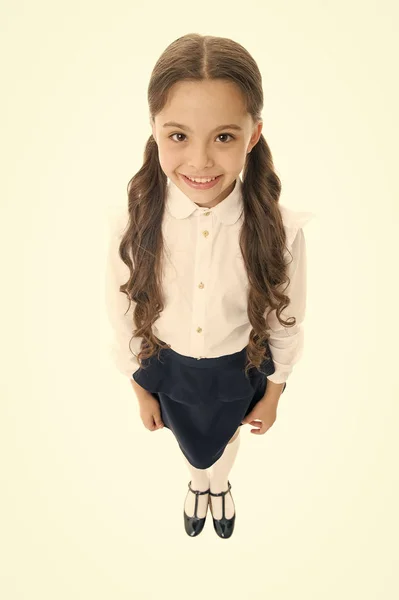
[[266, 412], [150, 412]]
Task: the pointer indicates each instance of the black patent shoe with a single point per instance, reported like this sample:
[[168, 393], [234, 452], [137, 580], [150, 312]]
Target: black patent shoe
[[223, 527], [194, 525]]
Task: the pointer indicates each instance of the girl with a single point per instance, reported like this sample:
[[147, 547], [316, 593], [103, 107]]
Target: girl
[[202, 266]]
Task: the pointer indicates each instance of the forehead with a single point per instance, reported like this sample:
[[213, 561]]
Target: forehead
[[206, 103]]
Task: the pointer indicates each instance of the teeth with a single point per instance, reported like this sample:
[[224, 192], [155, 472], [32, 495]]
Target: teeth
[[201, 180]]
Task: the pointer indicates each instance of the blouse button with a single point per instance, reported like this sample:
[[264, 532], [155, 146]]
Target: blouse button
[[201, 285], [207, 213], [205, 233], [199, 329]]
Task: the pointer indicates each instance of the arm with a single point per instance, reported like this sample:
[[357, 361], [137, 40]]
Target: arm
[[273, 391], [117, 303], [286, 343]]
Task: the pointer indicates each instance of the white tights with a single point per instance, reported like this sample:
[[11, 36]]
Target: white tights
[[217, 481]]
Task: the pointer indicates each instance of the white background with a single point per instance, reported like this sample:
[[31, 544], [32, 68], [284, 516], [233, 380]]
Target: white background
[[91, 501]]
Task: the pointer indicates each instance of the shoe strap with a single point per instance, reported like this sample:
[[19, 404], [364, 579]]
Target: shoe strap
[[222, 493], [197, 493]]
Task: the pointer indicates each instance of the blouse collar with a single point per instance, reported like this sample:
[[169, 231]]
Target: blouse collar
[[230, 209], [181, 206]]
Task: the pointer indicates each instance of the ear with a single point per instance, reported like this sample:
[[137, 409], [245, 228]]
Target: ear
[[255, 136]]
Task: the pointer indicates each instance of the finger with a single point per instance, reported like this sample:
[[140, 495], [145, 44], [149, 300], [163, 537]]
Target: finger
[[256, 429], [158, 421], [261, 430], [149, 423]]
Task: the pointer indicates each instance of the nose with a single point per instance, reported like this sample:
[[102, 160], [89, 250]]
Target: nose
[[200, 158]]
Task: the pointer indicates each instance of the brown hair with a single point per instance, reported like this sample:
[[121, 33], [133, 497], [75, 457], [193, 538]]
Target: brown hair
[[262, 239]]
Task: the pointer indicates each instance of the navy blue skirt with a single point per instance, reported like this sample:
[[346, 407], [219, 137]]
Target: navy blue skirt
[[203, 401]]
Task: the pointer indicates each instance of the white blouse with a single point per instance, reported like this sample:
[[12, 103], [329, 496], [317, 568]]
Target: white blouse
[[206, 284]]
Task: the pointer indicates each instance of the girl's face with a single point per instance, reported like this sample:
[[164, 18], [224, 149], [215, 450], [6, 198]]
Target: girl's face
[[204, 145]]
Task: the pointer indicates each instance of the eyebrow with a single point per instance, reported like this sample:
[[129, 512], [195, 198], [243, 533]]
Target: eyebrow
[[229, 126]]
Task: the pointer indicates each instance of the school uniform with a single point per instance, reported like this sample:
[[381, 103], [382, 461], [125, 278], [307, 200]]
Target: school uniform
[[199, 380]]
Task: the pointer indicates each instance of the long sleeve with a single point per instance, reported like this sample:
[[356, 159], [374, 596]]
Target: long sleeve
[[286, 343], [117, 304]]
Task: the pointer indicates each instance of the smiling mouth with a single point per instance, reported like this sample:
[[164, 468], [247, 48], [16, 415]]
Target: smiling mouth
[[201, 179]]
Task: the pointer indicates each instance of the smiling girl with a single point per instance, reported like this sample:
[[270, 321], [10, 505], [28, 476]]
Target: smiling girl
[[207, 271]]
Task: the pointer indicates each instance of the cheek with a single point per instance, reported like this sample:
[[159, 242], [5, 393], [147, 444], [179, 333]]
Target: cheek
[[168, 160], [168, 155]]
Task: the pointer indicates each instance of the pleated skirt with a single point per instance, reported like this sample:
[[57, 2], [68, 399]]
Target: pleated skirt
[[203, 401]]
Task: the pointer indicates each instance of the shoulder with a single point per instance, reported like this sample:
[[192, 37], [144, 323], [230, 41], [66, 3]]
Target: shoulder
[[293, 220]]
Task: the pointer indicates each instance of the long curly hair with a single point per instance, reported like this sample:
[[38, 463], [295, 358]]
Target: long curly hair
[[262, 241]]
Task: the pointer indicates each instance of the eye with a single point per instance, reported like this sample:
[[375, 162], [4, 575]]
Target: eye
[[228, 134], [220, 134]]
